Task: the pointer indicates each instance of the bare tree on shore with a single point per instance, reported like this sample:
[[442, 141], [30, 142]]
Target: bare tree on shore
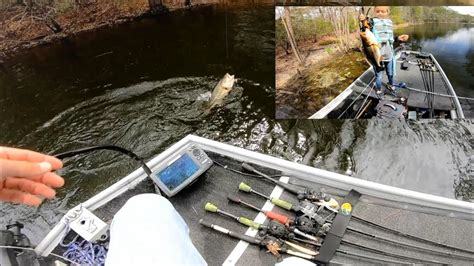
[[340, 19], [286, 20]]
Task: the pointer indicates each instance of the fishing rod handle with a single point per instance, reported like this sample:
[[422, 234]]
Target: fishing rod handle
[[249, 223], [234, 199], [278, 217], [291, 188], [246, 238], [211, 207], [282, 204], [206, 223], [299, 254], [244, 187], [250, 168]]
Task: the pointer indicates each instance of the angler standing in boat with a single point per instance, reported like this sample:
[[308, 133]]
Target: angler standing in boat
[[382, 28]]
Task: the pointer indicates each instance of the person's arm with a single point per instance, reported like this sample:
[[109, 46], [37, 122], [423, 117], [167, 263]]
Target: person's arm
[[26, 176]]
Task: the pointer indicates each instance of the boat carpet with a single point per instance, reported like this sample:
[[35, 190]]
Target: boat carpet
[[413, 79], [217, 183]]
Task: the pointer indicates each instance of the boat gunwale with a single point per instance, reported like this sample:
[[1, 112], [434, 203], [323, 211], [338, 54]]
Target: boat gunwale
[[372, 192]]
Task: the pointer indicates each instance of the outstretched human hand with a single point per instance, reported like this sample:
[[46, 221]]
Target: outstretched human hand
[[403, 38], [26, 176]]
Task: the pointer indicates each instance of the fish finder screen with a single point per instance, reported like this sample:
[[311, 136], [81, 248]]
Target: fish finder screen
[[176, 173]]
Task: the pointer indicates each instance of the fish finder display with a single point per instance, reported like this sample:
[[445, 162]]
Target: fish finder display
[[176, 173]]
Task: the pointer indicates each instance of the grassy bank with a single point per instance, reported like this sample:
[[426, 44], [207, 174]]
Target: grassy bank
[[316, 85]]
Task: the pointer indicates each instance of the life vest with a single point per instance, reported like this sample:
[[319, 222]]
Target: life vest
[[383, 30]]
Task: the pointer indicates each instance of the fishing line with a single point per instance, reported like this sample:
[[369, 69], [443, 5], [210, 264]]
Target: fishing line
[[226, 38], [431, 73], [363, 103], [356, 98], [108, 147]]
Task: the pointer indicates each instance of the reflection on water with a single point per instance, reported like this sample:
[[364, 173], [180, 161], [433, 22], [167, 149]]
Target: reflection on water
[[453, 47], [142, 93]]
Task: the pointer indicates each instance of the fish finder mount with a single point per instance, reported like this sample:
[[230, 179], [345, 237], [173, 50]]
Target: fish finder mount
[[180, 169]]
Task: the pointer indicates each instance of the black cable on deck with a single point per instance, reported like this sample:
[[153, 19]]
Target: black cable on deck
[[107, 147]]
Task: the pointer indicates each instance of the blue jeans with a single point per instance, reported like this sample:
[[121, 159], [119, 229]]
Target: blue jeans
[[378, 75]]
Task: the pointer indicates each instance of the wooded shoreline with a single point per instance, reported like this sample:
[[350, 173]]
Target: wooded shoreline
[[25, 24]]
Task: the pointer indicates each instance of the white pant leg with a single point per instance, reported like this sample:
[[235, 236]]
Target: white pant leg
[[147, 230]]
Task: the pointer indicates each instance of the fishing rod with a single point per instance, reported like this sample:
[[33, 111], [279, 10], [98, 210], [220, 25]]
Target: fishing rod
[[388, 254], [283, 219], [300, 192], [410, 236], [287, 205], [272, 244], [308, 210], [370, 258], [360, 219], [271, 227], [362, 92], [404, 244], [427, 75]]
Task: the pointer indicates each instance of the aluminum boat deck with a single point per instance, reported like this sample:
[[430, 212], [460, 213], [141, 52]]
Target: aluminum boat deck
[[217, 183]]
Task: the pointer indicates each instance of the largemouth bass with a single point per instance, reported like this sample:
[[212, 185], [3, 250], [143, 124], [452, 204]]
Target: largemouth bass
[[221, 90], [371, 47]]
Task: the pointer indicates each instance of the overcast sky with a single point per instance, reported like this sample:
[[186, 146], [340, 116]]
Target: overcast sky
[[469, 10]]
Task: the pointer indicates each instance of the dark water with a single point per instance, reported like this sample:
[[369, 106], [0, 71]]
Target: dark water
[[136, 86], [453, 47]]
